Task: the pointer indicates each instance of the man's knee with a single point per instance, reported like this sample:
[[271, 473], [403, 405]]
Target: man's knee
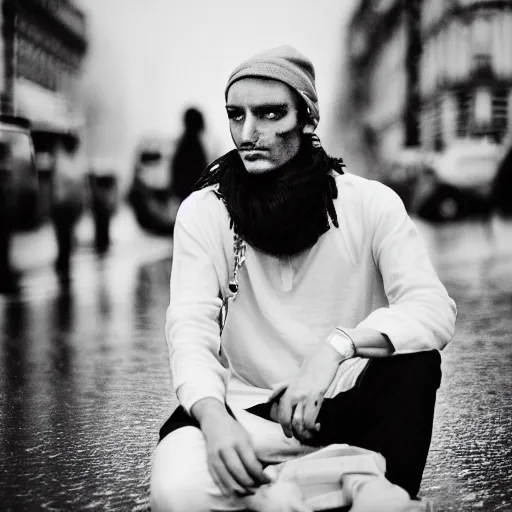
[[179, 475], [399, 397], [177, 496]]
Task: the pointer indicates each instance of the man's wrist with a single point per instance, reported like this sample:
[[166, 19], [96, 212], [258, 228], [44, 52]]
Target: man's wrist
[[343, 344], [207, 409]]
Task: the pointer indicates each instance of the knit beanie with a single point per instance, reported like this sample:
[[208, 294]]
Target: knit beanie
[[286, 65]]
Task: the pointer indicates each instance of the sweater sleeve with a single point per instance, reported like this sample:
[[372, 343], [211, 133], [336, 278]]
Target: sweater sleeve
[[192, 329], [420, 315]]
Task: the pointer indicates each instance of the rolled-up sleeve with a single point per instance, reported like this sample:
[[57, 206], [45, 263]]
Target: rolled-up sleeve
[[192, 328], [420, 315]]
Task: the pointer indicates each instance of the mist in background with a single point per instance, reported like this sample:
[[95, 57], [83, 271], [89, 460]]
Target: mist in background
[[98, 157], [149, 60]]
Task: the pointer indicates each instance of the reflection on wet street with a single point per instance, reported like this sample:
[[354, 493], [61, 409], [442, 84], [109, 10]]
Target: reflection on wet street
[[84, 384], [83, 389], [470, 463]]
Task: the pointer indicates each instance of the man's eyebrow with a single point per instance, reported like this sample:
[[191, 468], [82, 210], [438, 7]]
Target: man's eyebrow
[[261, 106]]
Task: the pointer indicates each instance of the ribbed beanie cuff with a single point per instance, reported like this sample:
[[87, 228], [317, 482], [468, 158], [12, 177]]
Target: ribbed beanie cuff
[[286, 65]]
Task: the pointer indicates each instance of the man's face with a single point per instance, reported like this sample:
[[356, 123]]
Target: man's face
[[264, 123]]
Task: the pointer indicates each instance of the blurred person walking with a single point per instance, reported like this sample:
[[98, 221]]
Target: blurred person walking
[[67, 199], [305, 321], [103, 183], [190, 159]]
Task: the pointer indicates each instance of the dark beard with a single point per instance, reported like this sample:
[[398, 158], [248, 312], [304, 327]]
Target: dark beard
[[284, 211]]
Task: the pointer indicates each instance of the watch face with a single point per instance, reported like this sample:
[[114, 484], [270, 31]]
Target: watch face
[[342, 344]]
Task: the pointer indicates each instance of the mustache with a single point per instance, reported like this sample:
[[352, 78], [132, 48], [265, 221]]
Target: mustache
[[249, 146]]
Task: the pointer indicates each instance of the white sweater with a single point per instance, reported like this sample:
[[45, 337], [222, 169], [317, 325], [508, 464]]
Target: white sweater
[[371, 272]]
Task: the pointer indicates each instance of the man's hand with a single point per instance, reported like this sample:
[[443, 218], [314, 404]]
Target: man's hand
[[302, 397], [232, 461]]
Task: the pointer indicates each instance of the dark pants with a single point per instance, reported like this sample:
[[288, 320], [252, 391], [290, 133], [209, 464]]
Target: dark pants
[[102, 219], [65, 215], [389, 411]]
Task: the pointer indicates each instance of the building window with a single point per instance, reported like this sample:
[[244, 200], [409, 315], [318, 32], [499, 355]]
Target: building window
[[500, 114], [464, 104], [482, 107]]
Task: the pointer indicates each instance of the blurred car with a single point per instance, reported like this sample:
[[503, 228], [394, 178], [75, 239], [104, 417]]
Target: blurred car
[[448, 186], [150, 193], [501, 195], [469, 165], [18, 191], [18, 172], [457, 183]]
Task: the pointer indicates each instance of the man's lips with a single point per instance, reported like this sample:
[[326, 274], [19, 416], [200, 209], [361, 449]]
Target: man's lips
[[253, 154]]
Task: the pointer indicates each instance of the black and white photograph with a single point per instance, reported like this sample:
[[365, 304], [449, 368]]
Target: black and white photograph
[[256, 256]]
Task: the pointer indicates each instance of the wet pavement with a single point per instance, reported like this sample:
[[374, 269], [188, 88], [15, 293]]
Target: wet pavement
[[470, 462], [84, 382]]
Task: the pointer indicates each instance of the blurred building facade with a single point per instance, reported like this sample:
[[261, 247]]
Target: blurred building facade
[[466, 71], [42, 46], [383, 75], [429, 73]]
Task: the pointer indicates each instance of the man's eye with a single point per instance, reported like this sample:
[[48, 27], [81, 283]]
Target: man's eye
[[236, 117], [273, 115]]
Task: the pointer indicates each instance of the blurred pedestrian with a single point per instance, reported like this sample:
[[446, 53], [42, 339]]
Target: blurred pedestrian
[[335, 322], [190, 159], [104, 202], [67, 199]]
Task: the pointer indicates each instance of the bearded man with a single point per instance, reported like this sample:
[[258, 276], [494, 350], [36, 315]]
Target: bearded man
[[336, 316]]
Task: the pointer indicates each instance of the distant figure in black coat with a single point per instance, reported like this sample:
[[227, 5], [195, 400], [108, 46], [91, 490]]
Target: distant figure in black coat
[[189, 160], [67, 200]]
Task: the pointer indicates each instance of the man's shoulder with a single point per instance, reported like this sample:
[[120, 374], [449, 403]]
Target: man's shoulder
[[200, 203], [359, 187]]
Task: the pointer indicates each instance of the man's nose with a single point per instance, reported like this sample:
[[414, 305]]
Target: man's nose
[[249, 129]]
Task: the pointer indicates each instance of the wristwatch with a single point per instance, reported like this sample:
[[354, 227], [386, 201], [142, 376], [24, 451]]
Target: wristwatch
[[342, 343]]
